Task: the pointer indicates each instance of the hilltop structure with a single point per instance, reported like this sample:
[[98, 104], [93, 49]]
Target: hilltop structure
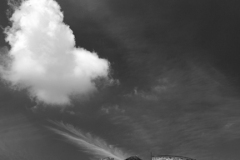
[[170, 157], [160, 157], [133, 158]]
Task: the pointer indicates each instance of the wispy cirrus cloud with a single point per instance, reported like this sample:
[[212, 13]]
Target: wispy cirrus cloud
[[191, 116], [90, 144]]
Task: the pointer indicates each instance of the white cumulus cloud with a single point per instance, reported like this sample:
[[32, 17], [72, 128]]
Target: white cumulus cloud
[[44, 57]]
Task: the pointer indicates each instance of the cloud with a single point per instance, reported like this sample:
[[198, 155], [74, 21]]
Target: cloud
[[188, 112], [92, 145], [44, 58]]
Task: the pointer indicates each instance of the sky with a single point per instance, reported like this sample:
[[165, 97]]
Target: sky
[[142, 76]]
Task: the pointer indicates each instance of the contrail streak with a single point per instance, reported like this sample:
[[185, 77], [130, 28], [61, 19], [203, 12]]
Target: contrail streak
[[90, 144]]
